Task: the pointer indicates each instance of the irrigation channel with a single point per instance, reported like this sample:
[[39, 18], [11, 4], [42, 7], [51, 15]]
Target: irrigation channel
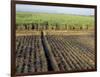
[[46, 50], [52, 64]]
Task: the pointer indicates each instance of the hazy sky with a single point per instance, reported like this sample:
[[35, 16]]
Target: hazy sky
[[53, 9]]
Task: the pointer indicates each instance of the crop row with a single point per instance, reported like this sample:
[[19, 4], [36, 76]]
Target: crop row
[[71, 55], [30, 56]]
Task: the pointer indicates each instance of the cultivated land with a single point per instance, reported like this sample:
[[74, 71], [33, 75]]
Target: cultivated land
[[42, 45], [42, 21]]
